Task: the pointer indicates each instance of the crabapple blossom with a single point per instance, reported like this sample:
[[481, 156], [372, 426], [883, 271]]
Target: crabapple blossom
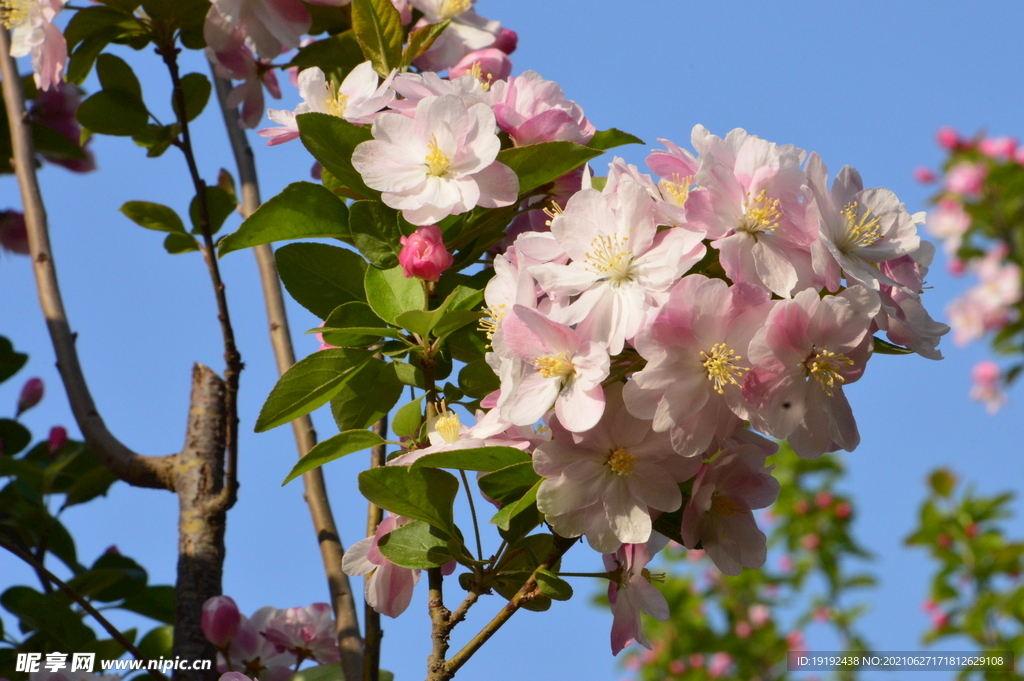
[[414, 87], [467, 32], [987, 305], [446, 433], [31, 395], [232, 58], [719, 515], [57, 438], [253, 654], [221, 620], [487, 65], [531, 110], [556, 367], [902, 316], [269, 26], [307, 633], [56, 108], [696, 360], [439, 163], [986, 385], [924, 175], [423, 254], [630, 591], [357, 100], [859, 228], [619, 261], [966, 178], [949, 221], [753, 209], [506, 41], [998, 148], [808, 350], [33, 31], [605, 483]]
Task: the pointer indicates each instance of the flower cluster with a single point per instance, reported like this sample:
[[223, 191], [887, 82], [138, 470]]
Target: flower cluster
[[980, 226]]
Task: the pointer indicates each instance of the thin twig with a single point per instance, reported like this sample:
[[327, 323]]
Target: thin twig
[[78, 598], [232, 358], [472, 510], [315, 490], [135, 469]]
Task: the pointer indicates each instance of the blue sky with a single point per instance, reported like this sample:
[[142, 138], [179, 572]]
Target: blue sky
[[864, 84]]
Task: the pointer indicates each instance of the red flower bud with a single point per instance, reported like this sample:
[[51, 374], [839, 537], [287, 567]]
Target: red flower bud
[[58, 438], [423, 254], [31, 394], [221, 620]]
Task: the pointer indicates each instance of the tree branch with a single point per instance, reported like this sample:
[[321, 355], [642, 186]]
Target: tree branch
[[374, 516], [331, 550], [133, 468], [437, 668]]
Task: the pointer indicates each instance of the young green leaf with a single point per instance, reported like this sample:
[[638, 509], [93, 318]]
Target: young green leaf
[[321, 277], [154, 216], [553, 586], [219, 204], [408, 418], [376, 233], [476, 459], [342, 444], [332, 140], [390, 293], [378, 28], [611, 138], [421, 39], [196, 88], [538, 164], [417, 545], [425, 494], [113, 112], [366, 327], [884, 347], [367, 396], [509, 484], [115, 75], [510, 511]]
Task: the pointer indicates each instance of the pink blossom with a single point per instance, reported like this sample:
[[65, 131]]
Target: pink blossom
[[220, 621], [719, 665], [966, 178], [253, 654], [357, 100], [57, 439], [531, 110], [743, 629], [949, 222], [630, 591], [696, 353], [719, 515], [307, 633], [987, 385], [33, 31], [947, 137], [1018, 155], [446, 433], [467, 32], [759, 614], [439, 163], [924, 175], [232, 58], [56, 108], [987, 305], [487, 65], [269, 26], [13, 233], [605, 483], [902, 316], [998, 148], [31, 395], [808, 350], [423, 254], [414, 87]]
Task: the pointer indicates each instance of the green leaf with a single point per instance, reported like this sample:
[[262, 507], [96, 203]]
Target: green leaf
[[376, 233], [180, 243], [454, 320], [220, 205], [87, 486], [332, 140], [196, 88], [309, 384], [51, 143], [127, 6], [478, 379], [420, 322], [89, 20], [320, 672], [886, 348], [421, 39], [357, 315], [553, 586], [154, 216], [425, 494], [303, 210], [476, 459], [409, 375], [116, 76], [390, 293], [13, 436], [378, 28], [340, 445], [538, 164], [10, 360], [158, 643], [416, 545], [113, 112], [339, 53], [409, 418], [510, 483], [321, 277], [48, 614], [367, 396], [156, 138], [611, 138], [503, 517], [84, 56]]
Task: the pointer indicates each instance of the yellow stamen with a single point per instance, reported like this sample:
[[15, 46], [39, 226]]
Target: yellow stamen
[[861, 230], [552, 211], [554, 366], [336, 101], [720, 368], [610, 258], [825, 365], [448, 426], [450, 9], [761, 214], [652, 576], [14, 12], [437, 162], [621, 462], [677, 190], [484, 79], [724, 506], [489, 324]]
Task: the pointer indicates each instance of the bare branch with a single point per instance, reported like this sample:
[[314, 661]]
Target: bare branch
[[331, 550], [133, 468]]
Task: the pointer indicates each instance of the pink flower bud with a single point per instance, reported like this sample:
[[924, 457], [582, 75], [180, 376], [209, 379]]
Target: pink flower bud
[[486, 65], [924, 175], [696, 660], [221, 620], [719, 665], [759, 614], [13, 235], [943, 541], [743, 629], [843, 510], [947, 137], [956, 266], [998, 148], [823, 499], [506, 41], [31, 394], [423, 254], [58, 438], [1018, 155], [810, 541], [676, 667], [800, 507], [112, 550]]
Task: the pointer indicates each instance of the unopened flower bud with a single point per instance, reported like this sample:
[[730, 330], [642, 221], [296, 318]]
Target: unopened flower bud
[[112, 550], [810, 541], [221, 620], [743, 629], [924, 175], [423, 254], [971, 530], [31, 395], [13, 235], [823, 499], [800, 507], [506, 41], [944, 541], [843, 510], [947, 137], [58, 438]]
